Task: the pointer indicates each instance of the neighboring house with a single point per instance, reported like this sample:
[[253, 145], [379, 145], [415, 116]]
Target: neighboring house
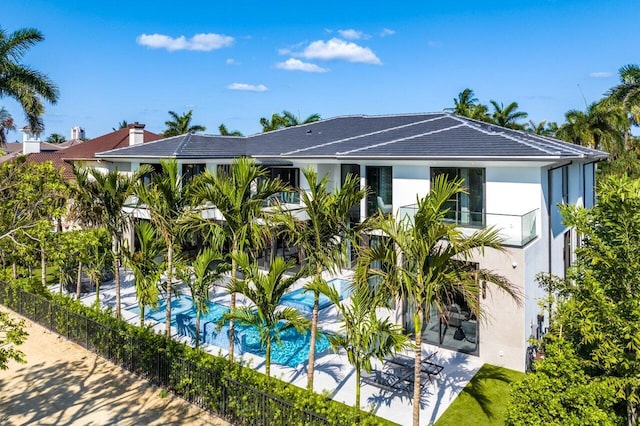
[[514, 181]]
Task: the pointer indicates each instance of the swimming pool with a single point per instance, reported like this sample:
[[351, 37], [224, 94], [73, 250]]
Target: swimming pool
[[293, 351], [303, 300]]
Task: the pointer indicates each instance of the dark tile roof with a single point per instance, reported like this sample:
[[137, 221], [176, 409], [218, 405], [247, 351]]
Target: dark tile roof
[[408, 136]]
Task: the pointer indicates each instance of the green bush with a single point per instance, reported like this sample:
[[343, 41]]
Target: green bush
[[194, 375]]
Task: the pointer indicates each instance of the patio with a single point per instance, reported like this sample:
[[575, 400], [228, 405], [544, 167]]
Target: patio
[[334, 375]]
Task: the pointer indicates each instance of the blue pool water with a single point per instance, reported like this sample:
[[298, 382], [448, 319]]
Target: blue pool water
[[293, 350], [303, 301]]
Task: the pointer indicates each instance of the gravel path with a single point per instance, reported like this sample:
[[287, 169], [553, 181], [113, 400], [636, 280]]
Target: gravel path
[[64, 384]]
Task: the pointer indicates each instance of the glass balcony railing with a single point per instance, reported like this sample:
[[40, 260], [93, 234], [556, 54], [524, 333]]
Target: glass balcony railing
[[287, 197], [515, 230]]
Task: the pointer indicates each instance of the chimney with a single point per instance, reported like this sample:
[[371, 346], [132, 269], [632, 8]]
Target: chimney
[[136, 133], [77, 133], [30, 141]]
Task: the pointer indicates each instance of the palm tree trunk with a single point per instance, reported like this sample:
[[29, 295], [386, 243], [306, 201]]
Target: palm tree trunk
[[234, 267], [79, 281], [267, 358], [417, 323], [141, 314], [115, 248], [358, 386], [43, 266], [98, 293], [14, 270], [197, 328], [169, 278], [314, 330]]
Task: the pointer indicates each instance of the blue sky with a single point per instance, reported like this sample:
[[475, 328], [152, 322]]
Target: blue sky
[[234, 62]]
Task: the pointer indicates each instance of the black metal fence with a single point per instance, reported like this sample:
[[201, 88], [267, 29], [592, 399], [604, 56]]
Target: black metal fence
[[228, 398]]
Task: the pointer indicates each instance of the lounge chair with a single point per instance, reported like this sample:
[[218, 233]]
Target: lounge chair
[[384, 208], [386, 381]]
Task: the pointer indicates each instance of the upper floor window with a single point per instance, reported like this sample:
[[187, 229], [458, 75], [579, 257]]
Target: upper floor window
[[146, 178], [465, 209], [380, 197], [189, 171], [565, 185], [354, 170]]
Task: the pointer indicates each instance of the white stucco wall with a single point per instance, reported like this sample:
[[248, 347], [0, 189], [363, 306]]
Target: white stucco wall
[[409, 182]]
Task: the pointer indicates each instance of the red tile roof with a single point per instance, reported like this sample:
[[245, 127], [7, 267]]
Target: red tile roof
[[56, 159], [113, 140]]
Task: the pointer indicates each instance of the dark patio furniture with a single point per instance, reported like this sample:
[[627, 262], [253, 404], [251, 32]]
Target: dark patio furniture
[[388, 381], [427, 366]]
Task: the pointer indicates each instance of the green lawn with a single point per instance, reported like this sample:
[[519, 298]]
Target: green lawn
[[484, 400]]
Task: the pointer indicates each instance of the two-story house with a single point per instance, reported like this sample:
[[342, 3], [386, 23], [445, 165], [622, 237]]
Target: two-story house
[[514, 181]]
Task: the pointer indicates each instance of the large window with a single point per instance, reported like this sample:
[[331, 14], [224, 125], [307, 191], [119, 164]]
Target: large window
[[346, 170], [146, 178], [466, 209], [380, 198], [189, 171], [288, 175]]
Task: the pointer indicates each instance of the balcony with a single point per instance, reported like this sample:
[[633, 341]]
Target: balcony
[[286, 197], [515, 230]]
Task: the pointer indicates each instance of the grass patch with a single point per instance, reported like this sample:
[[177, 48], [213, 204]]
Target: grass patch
[[484, 399]]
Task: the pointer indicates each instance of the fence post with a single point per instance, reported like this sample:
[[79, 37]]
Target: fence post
[[68, 325], [86, 331], [50, 315]]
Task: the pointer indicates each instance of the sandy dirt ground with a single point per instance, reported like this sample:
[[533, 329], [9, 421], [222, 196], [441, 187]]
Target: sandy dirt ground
[[64, 384]]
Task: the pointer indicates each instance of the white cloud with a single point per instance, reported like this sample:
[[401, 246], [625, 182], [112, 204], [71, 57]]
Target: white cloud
[[601, 74], [248, 87], [387, 32], [199, 42], [352, 34], [337, 49], [293, 64], [230, 61]]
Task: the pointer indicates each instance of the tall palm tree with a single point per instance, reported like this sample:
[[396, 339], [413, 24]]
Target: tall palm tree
[[224, 132], [121, 125], [200, 278], [181, 124], [323, 236], [20, 82], [6, 124], [166, 202], [627, 93], [147, 271], [601, 126], [99, 199], [363, 335], [238, 197], [507, 116], [265, 292], [424, 264]]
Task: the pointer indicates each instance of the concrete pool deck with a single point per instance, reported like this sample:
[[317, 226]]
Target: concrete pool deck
[[334, 375]]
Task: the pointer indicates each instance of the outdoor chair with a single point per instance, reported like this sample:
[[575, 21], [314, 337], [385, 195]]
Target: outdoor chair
[[384, 208]]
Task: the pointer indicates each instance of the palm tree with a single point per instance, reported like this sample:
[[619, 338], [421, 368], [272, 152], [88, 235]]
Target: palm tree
[[323, 236], [286, 119], [56, 138], [165, 200], [542, 128], [601, 126], [6, 124], [181, 124], [363, 335], [467, 105], [147, 271], [277, 122], [99, 199], [265, 291], [224, 132], [291, 120], [238, 197], [121, 125], [627, 93], [425, 264], [20, 82], [507, 116], [200, 280]]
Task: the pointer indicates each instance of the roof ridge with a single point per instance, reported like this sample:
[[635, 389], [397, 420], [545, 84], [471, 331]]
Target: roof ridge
[[145, 144], [377, 132], [182, 144], [400, 139], [512, 138]]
